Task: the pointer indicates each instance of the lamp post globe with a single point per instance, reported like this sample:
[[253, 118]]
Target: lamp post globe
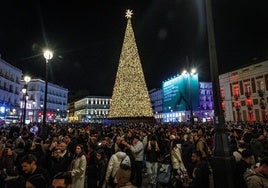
[[48, 56]]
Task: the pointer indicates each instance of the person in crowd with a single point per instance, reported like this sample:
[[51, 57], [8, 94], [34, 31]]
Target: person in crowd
[[36, 181], [115, 148], [54, 162], [106, 145], [7, 162], [200, 172], [201, 144], [78, 168], [30, 168], [39, 151], [102, 163], [187, 149], [137, 150], [62, 180], [113, 165], [241, 146], [66, 156], [178, 167], [8, 168], [152, 154], [123, 175], [71, 143], [257, 177], [92, 180], [241, 166], [256, 145]]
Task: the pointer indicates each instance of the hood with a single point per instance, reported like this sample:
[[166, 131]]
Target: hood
[[249, 172], [120, 155]]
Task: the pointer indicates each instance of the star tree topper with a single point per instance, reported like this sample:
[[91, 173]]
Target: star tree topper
[[129, 14]]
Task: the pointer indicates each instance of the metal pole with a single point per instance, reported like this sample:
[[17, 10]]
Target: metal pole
[[189, 92], [24, 110], [190, 100], [45, 99], [222, 161]]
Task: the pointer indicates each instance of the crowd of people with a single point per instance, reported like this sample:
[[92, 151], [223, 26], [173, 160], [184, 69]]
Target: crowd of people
[[100, 155]]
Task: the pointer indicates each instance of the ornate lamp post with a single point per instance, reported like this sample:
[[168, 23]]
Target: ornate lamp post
[[48, 56], [27, 79]]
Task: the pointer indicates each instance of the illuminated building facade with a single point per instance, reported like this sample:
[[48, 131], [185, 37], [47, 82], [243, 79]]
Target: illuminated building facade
[[57, 100], [156, 98], [244, 93], [10, 88], [91, 109], [202, 101]]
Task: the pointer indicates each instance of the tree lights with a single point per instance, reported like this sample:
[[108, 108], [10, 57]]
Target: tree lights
[[130, 95]]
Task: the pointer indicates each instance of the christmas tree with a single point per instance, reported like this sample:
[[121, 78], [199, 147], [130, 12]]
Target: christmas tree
[[130, 97]]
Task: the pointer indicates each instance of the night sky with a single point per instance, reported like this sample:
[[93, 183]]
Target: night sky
[[87, 37]]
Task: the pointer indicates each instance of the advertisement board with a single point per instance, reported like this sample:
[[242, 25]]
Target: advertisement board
[[180, 93]]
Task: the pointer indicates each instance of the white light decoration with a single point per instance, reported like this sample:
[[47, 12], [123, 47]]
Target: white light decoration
[[27, 79], [130, 95], [48, 54], [129, 14]]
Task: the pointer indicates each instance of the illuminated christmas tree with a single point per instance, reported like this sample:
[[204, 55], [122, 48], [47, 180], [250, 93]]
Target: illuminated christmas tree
[[130, 97]]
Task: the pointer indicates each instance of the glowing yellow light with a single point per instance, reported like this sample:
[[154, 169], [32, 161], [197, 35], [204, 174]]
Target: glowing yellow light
[[130, 95]]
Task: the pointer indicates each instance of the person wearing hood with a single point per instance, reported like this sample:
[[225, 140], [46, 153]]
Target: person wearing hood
[[113, 165], [257, 177]]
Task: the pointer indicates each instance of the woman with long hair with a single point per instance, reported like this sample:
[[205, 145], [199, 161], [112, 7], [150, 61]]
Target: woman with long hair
[[78, 167]]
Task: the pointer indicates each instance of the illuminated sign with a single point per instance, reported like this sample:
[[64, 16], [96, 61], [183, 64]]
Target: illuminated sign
[[180, 92]]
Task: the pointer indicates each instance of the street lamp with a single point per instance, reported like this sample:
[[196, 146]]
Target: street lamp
[[27, 79], [190, 105], [222, 161], [48, 56]]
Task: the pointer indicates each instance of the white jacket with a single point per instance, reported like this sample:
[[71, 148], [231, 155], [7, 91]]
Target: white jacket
[[176, 158], [114, 163]]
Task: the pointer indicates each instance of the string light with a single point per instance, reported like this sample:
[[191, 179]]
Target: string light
[[130, 95]]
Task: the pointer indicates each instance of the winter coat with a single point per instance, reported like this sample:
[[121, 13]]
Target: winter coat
[[176, 158], [138, 151], [114, 163], [255, 179], [78, 171]]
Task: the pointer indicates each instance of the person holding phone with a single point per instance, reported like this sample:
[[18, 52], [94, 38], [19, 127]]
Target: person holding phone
[[152, 153]]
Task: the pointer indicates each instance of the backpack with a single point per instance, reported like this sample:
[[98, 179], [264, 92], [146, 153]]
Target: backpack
[[164, 174]]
